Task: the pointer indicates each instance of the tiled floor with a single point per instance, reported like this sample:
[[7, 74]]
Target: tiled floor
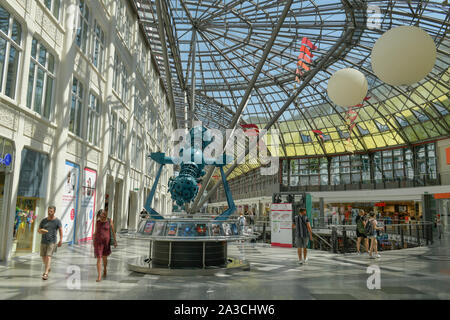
[[419, 273]]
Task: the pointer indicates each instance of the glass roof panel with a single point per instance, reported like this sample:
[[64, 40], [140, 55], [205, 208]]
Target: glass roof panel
[[230, 36]]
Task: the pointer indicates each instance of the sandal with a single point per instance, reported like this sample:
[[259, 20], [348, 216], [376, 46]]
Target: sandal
[[45, 276]]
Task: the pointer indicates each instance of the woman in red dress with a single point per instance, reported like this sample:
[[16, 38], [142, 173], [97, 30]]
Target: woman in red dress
[[102, 236]]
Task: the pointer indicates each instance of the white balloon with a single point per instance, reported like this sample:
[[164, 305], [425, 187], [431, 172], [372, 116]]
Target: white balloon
[[347, 87], [403, 55]]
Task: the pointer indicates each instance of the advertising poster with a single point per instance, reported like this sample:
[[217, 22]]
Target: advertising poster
[[172, 229], [159, 229], [281, 224], [226, 229], [215, 229], [85, 218], [201, 230], [70, 201], [149, 227], [186, 230]]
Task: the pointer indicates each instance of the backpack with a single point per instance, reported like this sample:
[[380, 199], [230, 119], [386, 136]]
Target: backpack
[[369, 227], [360, 226]]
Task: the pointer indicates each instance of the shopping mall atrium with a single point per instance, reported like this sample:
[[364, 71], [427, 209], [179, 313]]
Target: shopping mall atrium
[[340, 108]]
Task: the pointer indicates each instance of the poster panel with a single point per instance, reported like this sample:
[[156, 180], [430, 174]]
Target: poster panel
[[281, 224], [85, 218], [70, 201]]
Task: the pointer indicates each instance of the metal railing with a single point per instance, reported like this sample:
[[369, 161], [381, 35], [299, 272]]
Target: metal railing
[[341, 238], [421, 180]]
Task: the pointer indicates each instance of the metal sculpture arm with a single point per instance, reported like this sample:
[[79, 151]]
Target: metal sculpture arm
[[148, 203], [231, 206], [161, 158]]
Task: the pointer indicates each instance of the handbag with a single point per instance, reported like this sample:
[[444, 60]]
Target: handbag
[[111, 234]]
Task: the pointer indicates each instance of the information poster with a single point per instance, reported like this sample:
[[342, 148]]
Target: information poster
[[70, 201], [281, 224], [85, 218]]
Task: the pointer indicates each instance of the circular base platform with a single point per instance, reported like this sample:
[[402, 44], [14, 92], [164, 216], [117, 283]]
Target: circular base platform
[[143, 265]]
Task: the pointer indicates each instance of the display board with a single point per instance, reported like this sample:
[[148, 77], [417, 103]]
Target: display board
[[69, 201], [281, 224], [85, 218]]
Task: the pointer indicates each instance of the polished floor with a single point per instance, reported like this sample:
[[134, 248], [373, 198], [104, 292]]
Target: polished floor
[[417, 273]]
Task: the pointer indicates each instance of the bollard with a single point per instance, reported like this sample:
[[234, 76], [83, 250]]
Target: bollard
[[344, 239], [418, 236], [334, 239], [430, 228], [402, 239]]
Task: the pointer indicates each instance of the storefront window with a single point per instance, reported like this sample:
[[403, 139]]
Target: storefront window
[[335, 178], [32, 188], [388, 166], [41, 79], [10, 50], [76, 109], [285, 172], [24, 225], [323, 171], [409, 166]]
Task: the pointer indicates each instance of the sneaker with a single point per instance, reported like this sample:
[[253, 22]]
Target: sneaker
[[300, 261], [305, 261], [371, 257], [358, 253], [377, 256]]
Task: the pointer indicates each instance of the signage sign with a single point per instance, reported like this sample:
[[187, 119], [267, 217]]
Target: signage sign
[[6, 160], [380, 204], [281, 224], [70, 201], [85, 218]]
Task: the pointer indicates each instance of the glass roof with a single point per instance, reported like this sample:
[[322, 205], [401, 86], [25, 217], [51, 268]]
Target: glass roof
[[223, 42]]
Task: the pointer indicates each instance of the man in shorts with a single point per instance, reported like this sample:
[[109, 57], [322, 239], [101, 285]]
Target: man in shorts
[[302, 233], [48, 228], [360, 231]]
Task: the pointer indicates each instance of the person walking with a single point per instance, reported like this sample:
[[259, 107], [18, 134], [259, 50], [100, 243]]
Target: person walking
[[251, 216], [48, 228], [302, 233], [103, 235], [241, 222], [439, 224], [371, 232], [347, 217], [144, 214], [360, 231]]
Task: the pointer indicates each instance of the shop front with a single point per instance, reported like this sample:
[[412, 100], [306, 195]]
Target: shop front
[[6, 172], [390, 212], [30, 205]]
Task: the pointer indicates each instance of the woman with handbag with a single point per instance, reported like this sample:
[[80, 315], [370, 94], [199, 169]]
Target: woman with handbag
[[104, 237]]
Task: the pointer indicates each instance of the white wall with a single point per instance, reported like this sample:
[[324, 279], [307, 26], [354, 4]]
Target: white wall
[[29, 129], [443, 167]]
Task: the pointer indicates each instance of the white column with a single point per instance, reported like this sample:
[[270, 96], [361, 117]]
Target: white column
[[62, 106], [105, 137]]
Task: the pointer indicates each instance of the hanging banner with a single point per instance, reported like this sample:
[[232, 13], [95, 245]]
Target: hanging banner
[[85, 218], [70, 201], [281, 224]]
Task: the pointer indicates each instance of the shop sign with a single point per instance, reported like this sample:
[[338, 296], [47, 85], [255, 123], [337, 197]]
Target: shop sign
[[380, 204], [6, 160]]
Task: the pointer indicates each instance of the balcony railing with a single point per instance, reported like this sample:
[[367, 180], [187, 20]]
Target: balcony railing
[[342, 238], [386, 183]]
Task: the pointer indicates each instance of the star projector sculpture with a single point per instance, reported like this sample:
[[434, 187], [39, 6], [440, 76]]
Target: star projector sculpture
[[184, 187], [190, 244]]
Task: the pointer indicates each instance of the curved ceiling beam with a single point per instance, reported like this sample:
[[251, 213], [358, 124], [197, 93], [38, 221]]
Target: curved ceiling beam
[[338, 47]]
